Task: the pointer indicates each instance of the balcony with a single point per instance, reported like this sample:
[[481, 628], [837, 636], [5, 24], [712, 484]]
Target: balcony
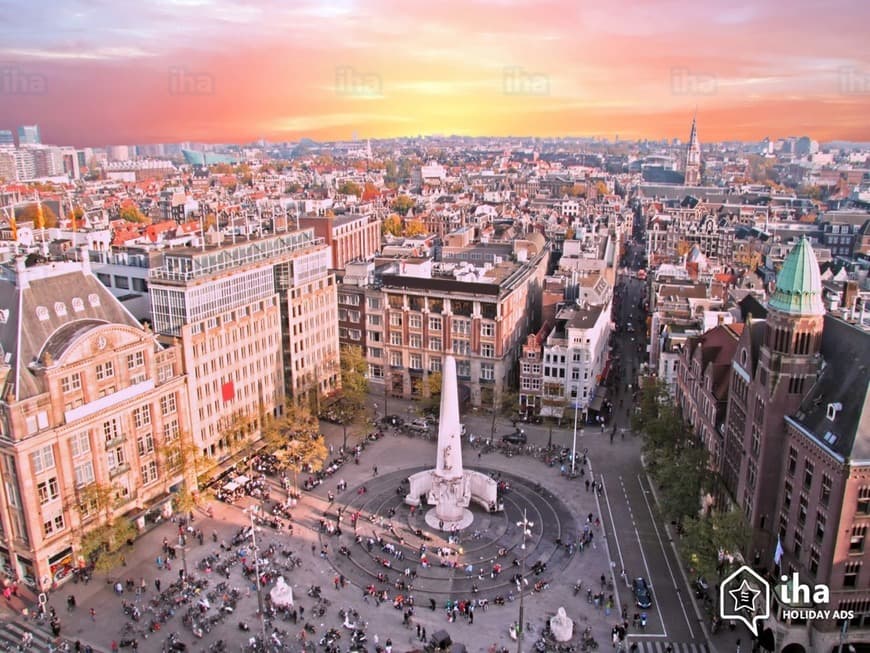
[[120, 469]]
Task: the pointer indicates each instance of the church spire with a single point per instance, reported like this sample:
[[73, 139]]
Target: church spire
[[693, 155]]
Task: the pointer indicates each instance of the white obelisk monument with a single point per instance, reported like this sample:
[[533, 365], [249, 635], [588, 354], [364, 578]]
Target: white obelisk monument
[[449, 487]]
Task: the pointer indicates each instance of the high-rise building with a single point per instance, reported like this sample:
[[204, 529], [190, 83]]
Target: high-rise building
[[91, 401], [29, 135], [257, 322], [693, 158], [6, 138]]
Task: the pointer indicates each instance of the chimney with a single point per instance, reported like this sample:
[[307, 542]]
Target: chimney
[[21, 273], [85, 258]]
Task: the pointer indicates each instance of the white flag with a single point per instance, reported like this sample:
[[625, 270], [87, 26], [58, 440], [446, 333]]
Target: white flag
[[777, 555]]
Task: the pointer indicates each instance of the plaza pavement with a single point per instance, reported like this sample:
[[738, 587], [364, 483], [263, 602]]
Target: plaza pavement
[[389, 454]]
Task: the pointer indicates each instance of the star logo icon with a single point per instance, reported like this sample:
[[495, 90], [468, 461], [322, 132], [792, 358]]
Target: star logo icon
[[744, 597]]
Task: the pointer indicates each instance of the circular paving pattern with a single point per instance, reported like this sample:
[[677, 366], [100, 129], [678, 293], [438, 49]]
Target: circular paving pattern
[[372, 544]]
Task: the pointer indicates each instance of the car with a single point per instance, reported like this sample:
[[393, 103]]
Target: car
[[642, 594], [392, 420], [419, 424], [517, 437]]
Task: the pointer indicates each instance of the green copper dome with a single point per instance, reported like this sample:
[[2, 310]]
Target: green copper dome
[[799, 283]]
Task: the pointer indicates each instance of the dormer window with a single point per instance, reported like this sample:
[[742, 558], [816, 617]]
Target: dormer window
[[833, 409]]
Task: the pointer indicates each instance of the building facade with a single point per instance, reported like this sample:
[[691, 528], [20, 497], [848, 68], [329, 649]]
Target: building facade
[[90, 399]]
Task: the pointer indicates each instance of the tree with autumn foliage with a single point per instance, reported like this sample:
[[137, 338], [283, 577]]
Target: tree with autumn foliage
[[392, 225], [75, 216], [295, 439], [30, 213], [370, 192], [414, 228], [131, 213]]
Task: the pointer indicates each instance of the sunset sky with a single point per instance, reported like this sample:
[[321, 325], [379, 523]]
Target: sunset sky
[[97, 72]]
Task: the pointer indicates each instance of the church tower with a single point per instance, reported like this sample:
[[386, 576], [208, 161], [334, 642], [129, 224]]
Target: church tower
[[693, 158]]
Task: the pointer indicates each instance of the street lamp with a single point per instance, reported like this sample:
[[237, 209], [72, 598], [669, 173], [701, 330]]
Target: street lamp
[[256, 553], [181, 544], [526, 525]]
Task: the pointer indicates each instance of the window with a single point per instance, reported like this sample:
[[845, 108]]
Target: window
[[461, 347], [396, 319], [856, 542], [173, 458], [140, 285], [80, 444], [434, 323], [850, 574], [461, 327], [820, 526], [48, 491], [814, 560], [434, 364], [487, 330], [136, 359], [142, 416], [415, 321], [170, 431], [487, 350], [798, 543], [149, 472], [53, 525], [375, 352], [415, 362], [463, 369], [71, 382], [374, 320], [105, 370], [396, 338], [786, 499], [115, 458], [792, 461], [863, 506], [35, 423], [396, 358], [43, 459], [145, 444], [487, 372], [825, 493], [802, 510], [122, 282], [84, 473], [373, 302], [167, 404], [415, 341], [435, 344]]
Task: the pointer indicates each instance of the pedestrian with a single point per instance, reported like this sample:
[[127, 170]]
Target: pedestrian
[[374, 470], [737, 650], [114, 646], [419, 629], [423, 637], [93, 614], [157, 584]]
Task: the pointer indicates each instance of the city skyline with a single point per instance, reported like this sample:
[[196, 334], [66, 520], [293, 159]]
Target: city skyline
[[220, 71]]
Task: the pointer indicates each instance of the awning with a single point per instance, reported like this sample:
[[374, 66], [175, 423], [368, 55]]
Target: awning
[[552, 411], [598, 400]]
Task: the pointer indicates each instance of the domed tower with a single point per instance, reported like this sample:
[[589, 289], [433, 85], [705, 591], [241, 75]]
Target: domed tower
[[796, 312]]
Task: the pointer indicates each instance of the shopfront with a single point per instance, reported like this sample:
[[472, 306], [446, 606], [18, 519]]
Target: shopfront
[[61, 565]]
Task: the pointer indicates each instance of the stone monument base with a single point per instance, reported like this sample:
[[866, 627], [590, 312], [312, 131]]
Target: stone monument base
[[436, 523]]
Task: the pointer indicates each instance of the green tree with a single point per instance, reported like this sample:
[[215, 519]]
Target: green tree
[[392, 225], [351, 405], [350, 188], [706, 537], [428, 388], [296, 440], [103, 544], [402, 204]]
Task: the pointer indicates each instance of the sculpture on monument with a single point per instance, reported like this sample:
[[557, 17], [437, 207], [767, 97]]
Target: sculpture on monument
[[562, 626], [449, 487]]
